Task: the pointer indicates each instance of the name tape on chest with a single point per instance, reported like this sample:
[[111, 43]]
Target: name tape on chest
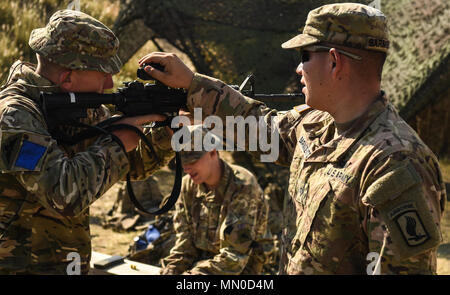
[[304, 147], [338, 174]]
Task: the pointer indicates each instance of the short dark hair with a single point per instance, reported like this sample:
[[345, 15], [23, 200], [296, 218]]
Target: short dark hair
[[375, 59], [381, 59]]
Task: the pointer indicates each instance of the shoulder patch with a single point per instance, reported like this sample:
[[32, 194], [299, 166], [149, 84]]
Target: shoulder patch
[[29, 155], [22, 150], [410, 224], [401, 202]]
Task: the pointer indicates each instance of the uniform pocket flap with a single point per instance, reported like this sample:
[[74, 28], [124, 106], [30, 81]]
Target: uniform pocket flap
[[390, 186]]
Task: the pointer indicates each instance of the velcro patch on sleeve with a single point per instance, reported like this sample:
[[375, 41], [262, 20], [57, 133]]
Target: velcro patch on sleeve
[[400, 200], [29, 155], [22, 150], [410, 223], [411, 226], [390, 185]]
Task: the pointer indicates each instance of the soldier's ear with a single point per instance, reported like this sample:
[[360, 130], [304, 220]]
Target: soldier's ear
[[335, 61], [65, 80]]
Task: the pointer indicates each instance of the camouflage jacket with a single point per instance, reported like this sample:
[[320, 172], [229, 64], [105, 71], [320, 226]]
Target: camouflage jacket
[[222, 231], [369, 200], [46, 189]]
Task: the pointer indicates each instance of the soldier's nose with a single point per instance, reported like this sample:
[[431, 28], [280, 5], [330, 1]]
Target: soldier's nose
[[299, 69]]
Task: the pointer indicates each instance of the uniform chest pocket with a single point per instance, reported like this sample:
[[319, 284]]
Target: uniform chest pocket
[[206, 225], [315, 199]]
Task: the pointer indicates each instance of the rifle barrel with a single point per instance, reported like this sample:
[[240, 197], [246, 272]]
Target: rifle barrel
[[77, 100]]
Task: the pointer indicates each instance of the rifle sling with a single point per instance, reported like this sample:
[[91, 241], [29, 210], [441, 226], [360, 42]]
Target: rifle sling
[[173, 196], [104, 128]]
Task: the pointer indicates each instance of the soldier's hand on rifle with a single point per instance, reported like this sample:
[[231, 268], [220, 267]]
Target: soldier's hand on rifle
[[176, 74], [129, 138]]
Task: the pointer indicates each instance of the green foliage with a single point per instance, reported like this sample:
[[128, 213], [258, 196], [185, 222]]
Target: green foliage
[[19, 18], [229, 39]]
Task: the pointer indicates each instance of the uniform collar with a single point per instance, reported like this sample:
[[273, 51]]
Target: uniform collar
[[335, 149], [25, 75], [216, 195], [316, 129]]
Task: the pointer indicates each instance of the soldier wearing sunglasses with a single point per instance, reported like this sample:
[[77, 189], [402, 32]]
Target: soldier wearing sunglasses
[[365, 193]]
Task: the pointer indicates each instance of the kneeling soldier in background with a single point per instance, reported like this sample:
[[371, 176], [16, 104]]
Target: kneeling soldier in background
[[220, 218]]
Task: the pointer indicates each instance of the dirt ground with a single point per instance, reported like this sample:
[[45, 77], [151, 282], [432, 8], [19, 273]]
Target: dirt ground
[[107, 241], [117, 243]]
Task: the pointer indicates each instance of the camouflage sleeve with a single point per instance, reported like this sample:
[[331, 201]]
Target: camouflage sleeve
[[244, 226], [67, 185], [404, 201], [183, 253], [216, 98], [142, 162]]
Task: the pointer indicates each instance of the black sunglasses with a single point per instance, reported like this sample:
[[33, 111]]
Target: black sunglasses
[[305, 55]]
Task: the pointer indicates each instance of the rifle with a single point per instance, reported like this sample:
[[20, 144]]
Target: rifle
[[286, 100], [134, 99]]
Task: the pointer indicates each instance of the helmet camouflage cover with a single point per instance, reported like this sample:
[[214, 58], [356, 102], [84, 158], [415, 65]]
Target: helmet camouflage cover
[[348, 24], [77, 41]]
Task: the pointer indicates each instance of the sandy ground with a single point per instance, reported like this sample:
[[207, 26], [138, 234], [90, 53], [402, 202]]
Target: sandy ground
[[106, 240], [117, 243]]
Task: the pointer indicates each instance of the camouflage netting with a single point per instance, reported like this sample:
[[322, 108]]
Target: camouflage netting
[[433, 122], [420, 34], [228, 39], [417, 71]]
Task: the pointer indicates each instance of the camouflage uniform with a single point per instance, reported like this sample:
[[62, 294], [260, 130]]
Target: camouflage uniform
[[46, 188], [221, 231], [273, 179], [376, 187]]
